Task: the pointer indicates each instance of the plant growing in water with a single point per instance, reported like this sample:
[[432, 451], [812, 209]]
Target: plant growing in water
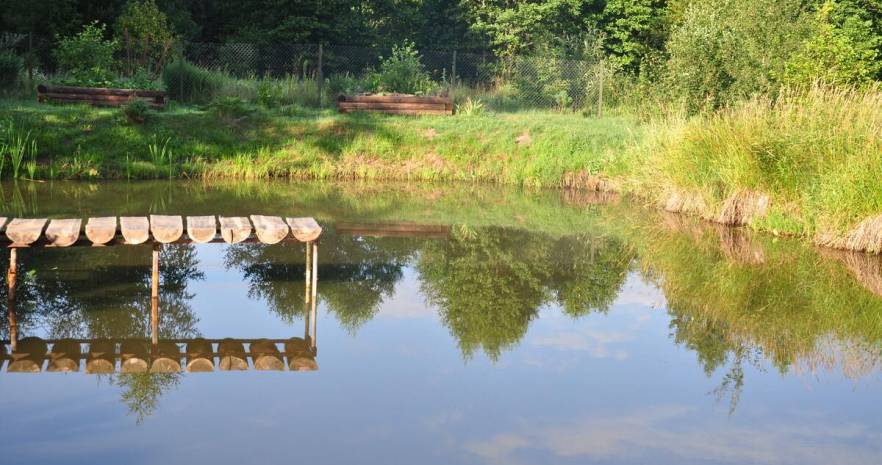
[[19, 145]]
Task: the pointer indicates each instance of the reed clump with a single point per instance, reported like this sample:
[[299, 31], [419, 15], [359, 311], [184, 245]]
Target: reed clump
[[807, 162]]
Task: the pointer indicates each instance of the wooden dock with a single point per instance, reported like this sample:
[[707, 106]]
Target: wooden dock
[[162, 229], [102, 356], [163, 356]]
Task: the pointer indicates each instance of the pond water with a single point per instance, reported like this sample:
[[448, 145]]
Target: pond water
[[454, 325]]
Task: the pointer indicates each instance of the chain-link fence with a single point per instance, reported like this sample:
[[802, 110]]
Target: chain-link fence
[[314, 75]]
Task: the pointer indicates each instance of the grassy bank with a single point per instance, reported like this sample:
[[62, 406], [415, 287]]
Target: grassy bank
[[234, 140], [805, 164]]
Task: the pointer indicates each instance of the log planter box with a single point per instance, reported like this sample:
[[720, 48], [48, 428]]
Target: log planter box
[[99, 96], [396, 104]]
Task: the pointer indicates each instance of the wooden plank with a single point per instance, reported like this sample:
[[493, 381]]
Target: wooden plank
[[304, 229], [396, 99], [135, 229], [232, 355], [392, 106], [62, 233], [166, 228], [199, 356], [266, 356], [134, 354], [270, 229], [235, 229], [166, 358], [399, 112], [300, 355], [102, 357], [101, 230], [44, 89], [28, 356], [201, 229], [25, 231], [64, 357]]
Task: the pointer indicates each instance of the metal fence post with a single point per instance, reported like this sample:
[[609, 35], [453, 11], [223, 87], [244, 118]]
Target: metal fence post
[[453, 70]]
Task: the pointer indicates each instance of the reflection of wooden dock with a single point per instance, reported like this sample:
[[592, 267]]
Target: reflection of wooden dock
[[163, 229], [31, 355], [425, 231], [162, 356]]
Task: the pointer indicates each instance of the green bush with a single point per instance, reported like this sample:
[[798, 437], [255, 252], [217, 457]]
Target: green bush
[[231, 108], [10, 67], [402, 72], [137, 111], [188, 83], [87, 58], [144, 32], [343, 84], [843, 50]]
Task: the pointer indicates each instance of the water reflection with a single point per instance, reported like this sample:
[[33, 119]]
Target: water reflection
[[501, 275]]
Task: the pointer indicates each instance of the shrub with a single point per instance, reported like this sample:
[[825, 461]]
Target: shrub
[[10, 67], [470, 107], [343, 84], [146, 35], [185, 82], [137, 111], [844, 50], [87, 58], [402, 72], [231, 108]]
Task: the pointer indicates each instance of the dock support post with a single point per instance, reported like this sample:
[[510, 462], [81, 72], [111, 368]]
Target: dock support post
[[314, 287], [154, 296], [11, 275], [308, 271]]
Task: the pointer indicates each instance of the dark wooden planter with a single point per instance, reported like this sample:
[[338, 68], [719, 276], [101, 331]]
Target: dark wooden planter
[[99, 96], [396, 104]]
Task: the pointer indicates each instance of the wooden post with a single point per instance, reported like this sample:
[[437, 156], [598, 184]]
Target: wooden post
[[154, 296], [314, 287], [321, 74], [308, 279], [10, 297]]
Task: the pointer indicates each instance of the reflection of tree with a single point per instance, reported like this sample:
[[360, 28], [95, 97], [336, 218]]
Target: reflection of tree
[[92, 293], [588, 272], [490, 283], [95, 293], [355, 274], [141, 391]]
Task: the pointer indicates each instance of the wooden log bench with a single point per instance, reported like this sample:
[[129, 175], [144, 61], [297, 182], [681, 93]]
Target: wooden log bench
[[99, 96], [396, 104]]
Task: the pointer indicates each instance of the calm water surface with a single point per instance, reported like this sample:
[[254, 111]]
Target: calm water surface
[[512, 328]]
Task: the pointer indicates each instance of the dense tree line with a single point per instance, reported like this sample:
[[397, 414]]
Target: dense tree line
[[706, 53]]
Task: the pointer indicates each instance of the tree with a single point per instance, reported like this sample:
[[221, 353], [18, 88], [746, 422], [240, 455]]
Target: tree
[[634, 28], [843, 50], [145, 34]]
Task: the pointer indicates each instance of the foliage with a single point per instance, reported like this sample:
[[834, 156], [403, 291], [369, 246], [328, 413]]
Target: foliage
[[87, 58], [726, 50], [146, 36], [843, 50], [402, 72], [185, 82], [10, 68], [137, 111], [635, 29], [470, 107]]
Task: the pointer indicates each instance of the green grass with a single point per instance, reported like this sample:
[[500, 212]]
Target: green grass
[[229, 140], [816, 154]]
